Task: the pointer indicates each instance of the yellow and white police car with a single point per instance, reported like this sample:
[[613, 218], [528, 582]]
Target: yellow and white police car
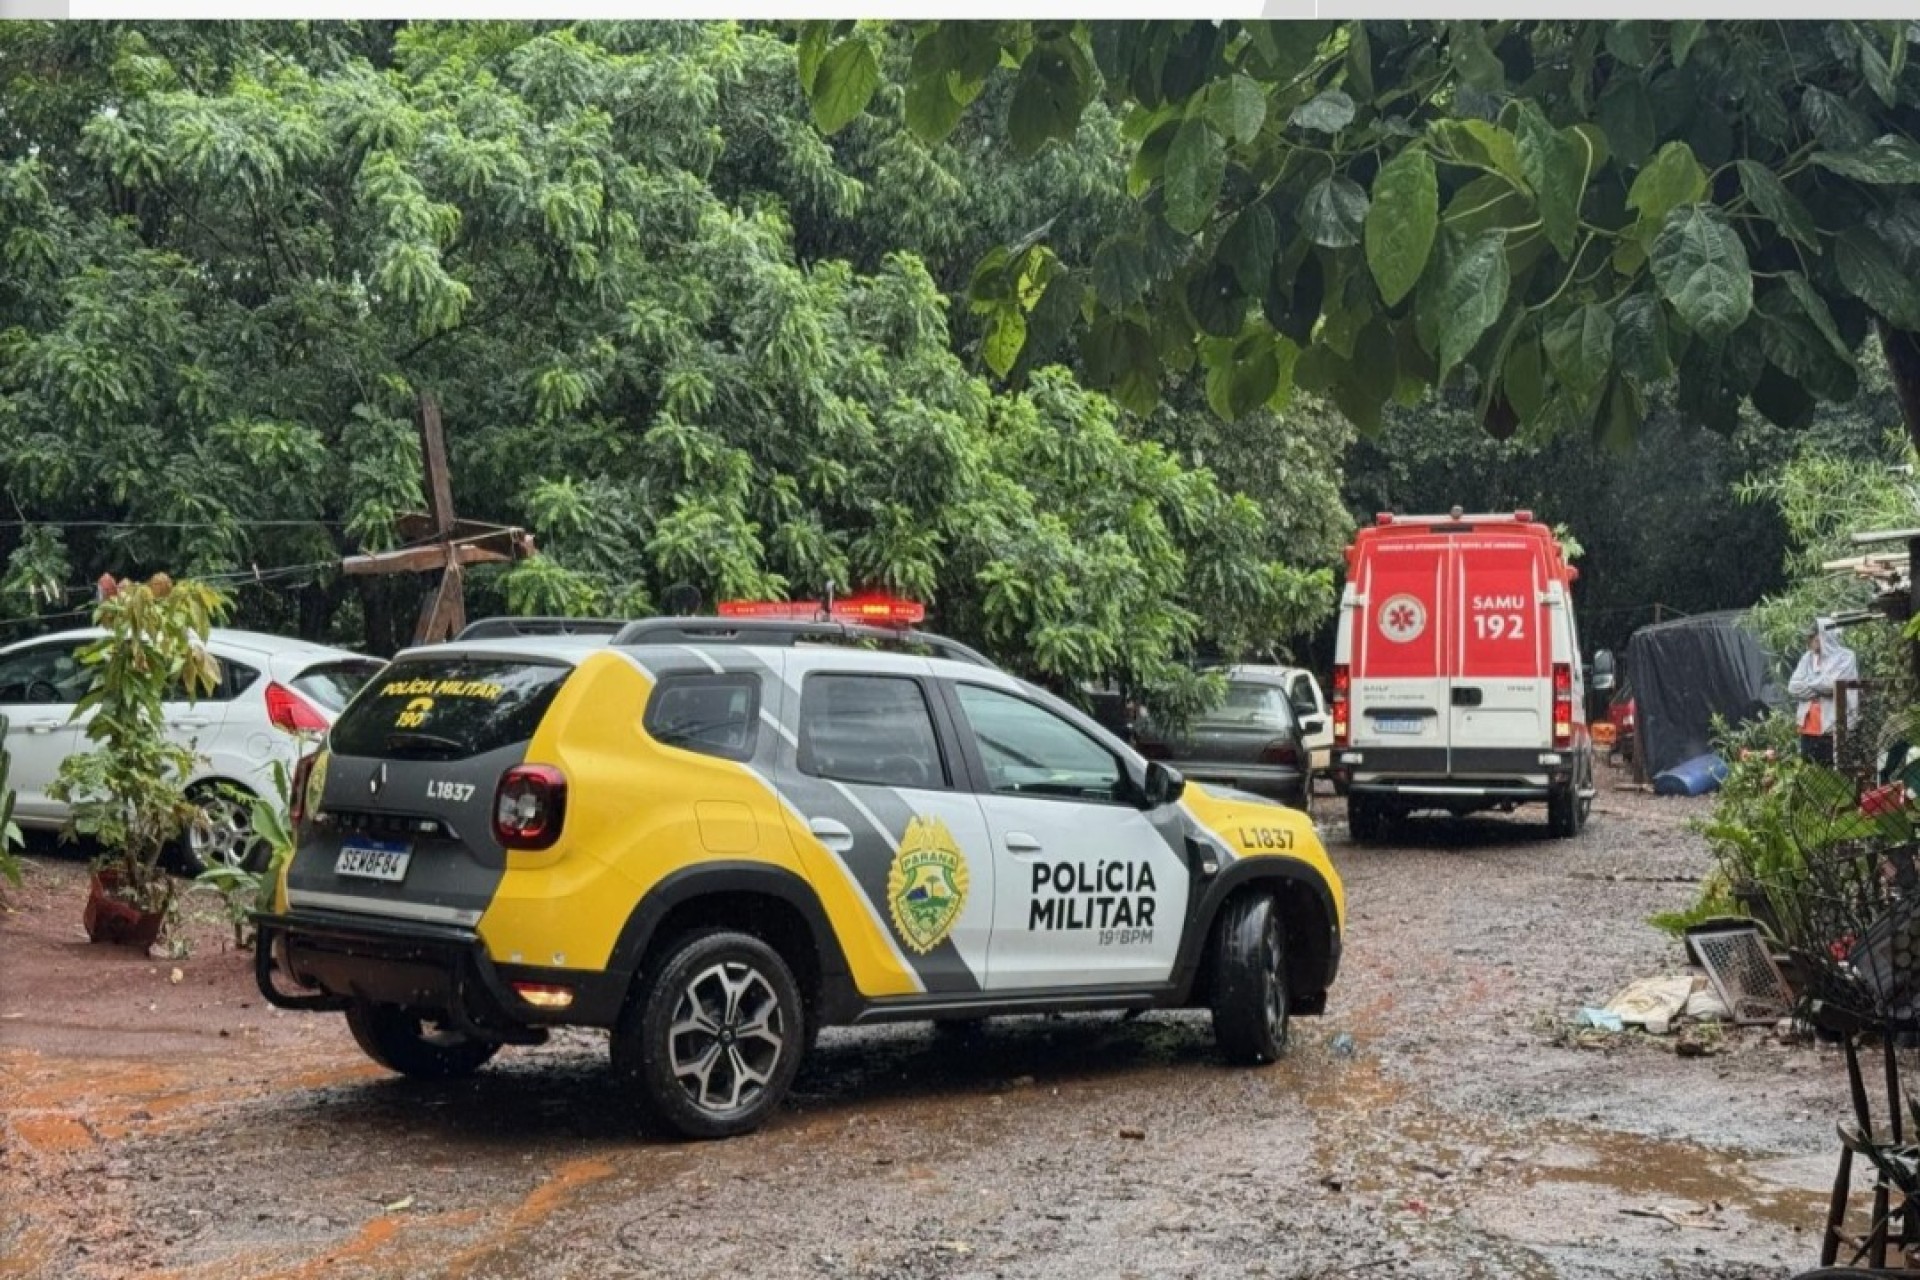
[[714, 836]]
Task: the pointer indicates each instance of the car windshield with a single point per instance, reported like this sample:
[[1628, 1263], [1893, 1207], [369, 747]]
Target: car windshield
[[1250, 706]]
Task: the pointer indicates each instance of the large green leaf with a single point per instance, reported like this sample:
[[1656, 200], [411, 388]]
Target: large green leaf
[[1249, 247], [1672, 178], [1237, 107], [1466, 295], [1640, 343], [1401, 222], [1580, 348], [844, 83], [1868, 271], [1483, 145], [1476, 63], [1888, 160], [1120, 276], [1334, 212], [1523, 378], [1327, 112], [1006, 335], [1241, 376], [1702, 270], [932, 110], [1556, 165], [1196, 166], [1625, 115], [1053, 89], [1779, 205], [1216, 302]]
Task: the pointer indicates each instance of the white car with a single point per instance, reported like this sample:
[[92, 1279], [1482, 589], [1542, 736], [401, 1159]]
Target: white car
[[272, 690]]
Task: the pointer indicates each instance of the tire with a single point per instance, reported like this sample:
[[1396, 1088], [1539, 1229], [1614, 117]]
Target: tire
[[1251, 1003], [713, 1039], [1365, 823], [402, 1042], [225, 837], [1563, 813]]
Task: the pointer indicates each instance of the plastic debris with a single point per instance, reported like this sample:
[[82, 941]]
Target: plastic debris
[[1602, 1019]]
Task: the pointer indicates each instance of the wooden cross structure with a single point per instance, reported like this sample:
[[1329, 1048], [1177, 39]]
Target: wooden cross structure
[[437, 540]]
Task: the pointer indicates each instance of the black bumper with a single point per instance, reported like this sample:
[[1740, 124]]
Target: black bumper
[[441, 972]]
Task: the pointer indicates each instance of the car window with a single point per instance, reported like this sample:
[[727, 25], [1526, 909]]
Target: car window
[[1250, 705], [869, 729], [50, 673], [716, 715], [1304, 701], [1030, 751], [330, 685], [437, 708]]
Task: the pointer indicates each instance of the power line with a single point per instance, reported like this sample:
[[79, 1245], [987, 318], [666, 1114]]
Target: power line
[[172, 524]]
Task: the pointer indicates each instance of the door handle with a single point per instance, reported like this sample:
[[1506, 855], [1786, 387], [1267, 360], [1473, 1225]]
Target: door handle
[[193, 724], [835, 835], [43, 726], [1018, 842]]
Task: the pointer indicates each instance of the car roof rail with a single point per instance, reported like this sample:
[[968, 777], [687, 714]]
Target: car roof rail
[[788, 632], [508, 628]]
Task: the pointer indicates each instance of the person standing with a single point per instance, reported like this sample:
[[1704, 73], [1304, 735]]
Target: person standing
[[1825, 663]]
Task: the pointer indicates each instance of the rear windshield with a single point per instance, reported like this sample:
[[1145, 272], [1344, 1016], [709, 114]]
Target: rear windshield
[[1250, 706], [333, 685], [448, 708]]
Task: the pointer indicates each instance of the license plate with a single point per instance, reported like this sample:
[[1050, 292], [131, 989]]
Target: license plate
[[1396, 724], [374, 859]]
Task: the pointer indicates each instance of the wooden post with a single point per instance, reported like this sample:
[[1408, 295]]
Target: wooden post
[[441, 541]]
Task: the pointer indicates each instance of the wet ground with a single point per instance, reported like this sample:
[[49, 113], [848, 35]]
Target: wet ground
[[159, 1120]]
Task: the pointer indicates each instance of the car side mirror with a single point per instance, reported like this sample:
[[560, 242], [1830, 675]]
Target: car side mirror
[[1163, 785], [1312, 725]]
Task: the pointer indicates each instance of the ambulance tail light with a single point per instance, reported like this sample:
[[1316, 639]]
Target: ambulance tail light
[[529, 806], [1562, 705], [1280, 751], [1341, 683]]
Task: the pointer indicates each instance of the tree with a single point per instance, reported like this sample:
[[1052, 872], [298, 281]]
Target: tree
[[1554, 217], [236, 254]]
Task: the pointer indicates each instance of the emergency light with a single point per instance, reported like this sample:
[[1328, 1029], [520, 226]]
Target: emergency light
[[875, 609]]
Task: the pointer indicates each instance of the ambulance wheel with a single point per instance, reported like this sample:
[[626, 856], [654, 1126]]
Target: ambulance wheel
[[1251, 1004], [1365, 822], [714, 1039], [1563, 813], [403, 1042]]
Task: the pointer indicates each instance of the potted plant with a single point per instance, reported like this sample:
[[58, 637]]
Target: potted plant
[[127, 791]]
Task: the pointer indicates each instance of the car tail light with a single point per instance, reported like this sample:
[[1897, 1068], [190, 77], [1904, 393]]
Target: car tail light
[[1280, 751], [1341, 682], [529, 806], [1562, 705], [288, 710], [297, 790]]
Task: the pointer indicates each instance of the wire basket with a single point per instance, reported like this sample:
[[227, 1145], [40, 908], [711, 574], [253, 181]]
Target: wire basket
[[1847, 907]]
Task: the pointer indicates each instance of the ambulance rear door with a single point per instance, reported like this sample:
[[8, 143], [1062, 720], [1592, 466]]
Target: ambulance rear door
[[1501, 694], [1400, 663]]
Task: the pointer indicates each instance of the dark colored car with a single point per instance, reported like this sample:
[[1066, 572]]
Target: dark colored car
[[1252, 741]]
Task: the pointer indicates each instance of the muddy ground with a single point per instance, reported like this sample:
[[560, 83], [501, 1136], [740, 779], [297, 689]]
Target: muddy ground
[[182, 1128]]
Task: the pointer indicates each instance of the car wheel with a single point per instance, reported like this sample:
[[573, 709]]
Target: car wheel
[[1364, 820], [714, 1039], [1251, 1004], [404, 1042], [222, 834]]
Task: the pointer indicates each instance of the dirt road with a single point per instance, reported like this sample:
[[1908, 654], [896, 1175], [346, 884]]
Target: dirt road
[[1439, 1121]]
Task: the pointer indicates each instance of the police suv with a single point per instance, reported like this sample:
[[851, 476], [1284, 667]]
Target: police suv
[[714, 836]]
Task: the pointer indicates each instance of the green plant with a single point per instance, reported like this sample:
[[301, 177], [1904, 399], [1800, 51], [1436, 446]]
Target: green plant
[[127, 792], [9, 833], [246, 889]]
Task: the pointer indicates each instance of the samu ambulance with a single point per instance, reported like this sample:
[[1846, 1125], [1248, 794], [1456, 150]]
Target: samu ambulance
[[1457, 681]]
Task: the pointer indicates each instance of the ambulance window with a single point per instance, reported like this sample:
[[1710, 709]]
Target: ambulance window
[[715, 715], [869, 729], [1029, 751]]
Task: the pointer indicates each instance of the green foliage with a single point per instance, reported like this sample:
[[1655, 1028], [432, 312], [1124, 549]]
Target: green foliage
[[126, 791], [245, 890], [673, 330], [1651, 176]]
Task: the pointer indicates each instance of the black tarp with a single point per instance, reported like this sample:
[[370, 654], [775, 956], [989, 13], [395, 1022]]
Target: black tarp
[[1689, 670]]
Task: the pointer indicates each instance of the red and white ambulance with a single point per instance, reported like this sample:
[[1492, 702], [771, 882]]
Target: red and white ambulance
[[1457, 680]]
